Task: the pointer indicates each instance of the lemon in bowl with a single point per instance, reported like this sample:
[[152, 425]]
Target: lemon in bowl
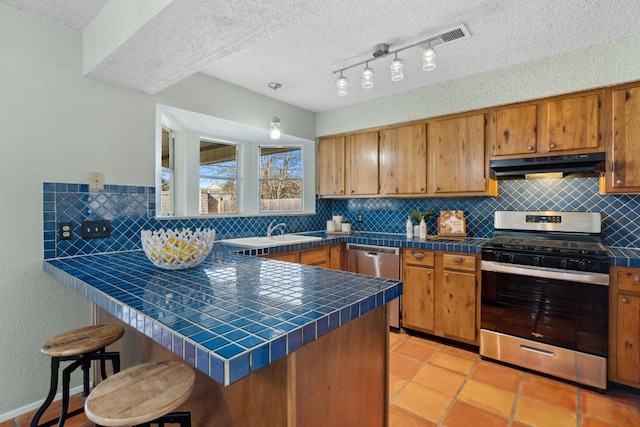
[[177, 249]]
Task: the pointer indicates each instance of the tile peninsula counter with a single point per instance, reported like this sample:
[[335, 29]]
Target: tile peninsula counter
[[274, 343]]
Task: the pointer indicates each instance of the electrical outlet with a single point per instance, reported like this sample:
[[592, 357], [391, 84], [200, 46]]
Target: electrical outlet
[[96, 229], [65, 230]]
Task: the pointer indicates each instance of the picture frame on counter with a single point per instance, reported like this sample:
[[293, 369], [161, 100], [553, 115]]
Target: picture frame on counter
[[452, 223]]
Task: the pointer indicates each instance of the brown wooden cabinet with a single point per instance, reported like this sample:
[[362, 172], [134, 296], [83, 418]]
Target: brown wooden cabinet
[[571, 124], [331, 166], [623, 152], [403, 160], [329, 256], [418, 293], [441, 294], [457, 155], [624, 326], [516, 130], [362, 160]]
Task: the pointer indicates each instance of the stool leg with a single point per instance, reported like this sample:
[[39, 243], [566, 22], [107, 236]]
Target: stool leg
[[103, 365], [55, 365], [66, 380], [85, 377]]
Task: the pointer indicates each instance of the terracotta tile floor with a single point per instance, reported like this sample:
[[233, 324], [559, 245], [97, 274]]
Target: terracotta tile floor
[[434, 384]]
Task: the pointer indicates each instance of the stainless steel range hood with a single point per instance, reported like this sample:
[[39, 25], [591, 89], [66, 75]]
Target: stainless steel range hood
[[517, 168]]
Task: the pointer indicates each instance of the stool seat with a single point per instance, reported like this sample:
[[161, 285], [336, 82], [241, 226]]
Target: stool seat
[[82, 340], [140, 394]]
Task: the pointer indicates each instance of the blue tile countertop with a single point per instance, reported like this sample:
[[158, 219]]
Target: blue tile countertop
[[232, 314]]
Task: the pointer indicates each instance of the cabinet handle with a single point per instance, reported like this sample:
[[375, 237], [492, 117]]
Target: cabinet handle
[[619, 182], [636, 278], [458, 260], [421, 189], [625, 300], [446, 274], [418, 255], [552, 145], [428, 272], [437, 188], [530, 148]]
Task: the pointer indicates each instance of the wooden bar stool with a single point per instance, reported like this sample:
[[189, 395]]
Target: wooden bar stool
[[80, 346], [143, 395]]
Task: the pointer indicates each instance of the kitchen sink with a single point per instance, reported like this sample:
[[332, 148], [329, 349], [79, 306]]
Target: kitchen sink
[[264, 241]]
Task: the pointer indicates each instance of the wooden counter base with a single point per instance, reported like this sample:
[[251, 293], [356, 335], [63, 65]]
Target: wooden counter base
[[340, 379]]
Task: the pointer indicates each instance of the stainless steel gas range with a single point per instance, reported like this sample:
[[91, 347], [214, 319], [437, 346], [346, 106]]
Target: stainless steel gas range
[[545, 293]]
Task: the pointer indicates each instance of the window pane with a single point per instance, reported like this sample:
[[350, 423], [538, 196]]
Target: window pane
[[167, 149], [218, 177], [166, 195], [280, 179]]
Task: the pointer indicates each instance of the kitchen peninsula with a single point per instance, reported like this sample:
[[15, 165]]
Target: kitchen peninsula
[[274, 343]]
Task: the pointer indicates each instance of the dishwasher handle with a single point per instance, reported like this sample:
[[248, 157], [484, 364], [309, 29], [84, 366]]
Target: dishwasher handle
[[373, 250]]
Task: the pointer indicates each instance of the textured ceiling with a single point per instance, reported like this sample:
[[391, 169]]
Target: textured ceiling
[[299, 43]]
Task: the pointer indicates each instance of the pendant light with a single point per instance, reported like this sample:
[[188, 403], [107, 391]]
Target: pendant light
[[396, 69], [367, 77], [428, 58], [275, 121], [342, 83]]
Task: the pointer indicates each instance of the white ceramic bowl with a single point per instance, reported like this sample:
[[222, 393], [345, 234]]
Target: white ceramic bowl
[[177, 249]]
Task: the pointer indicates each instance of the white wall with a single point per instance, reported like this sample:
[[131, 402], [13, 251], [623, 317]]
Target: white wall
[[56, 126], [594, 67]]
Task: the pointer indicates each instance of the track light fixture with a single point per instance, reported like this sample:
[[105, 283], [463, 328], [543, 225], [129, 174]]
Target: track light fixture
[[275, 121], [397, 65]]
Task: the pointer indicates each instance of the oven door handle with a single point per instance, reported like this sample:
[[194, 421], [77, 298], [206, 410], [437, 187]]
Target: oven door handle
[[547, 273], [537, 350]]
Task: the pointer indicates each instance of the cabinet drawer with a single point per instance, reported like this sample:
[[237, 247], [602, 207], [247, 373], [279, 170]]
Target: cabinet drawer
[[418, 257], [459, 262], [629, 280], [315, 257]]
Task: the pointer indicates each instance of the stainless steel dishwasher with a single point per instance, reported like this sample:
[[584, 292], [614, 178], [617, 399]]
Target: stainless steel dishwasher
[[378, 261]]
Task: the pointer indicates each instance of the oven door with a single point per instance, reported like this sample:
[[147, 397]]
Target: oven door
[[567, 309]]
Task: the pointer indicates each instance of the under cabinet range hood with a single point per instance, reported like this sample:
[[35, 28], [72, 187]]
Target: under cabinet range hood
[[592, 163]]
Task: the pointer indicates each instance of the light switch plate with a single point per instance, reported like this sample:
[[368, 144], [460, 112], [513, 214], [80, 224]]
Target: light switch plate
[[96, 181]]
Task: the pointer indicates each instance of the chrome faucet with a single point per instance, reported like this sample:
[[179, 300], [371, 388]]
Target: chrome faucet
[[272, 228]]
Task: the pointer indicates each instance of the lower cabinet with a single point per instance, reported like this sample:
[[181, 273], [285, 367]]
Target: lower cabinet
[[441, 294], [624, 326], [330, 256]]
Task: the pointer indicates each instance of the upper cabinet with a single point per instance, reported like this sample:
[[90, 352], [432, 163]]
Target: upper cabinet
[[331, 166], [403, 160], [457, 155], [567, 125], [516, 130], [362, 164], [572, 124], [623, 152]]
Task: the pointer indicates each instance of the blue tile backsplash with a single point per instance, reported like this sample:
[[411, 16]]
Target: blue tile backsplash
[[132, 208]]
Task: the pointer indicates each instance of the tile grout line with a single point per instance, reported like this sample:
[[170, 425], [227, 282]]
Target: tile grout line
[[454, 399]]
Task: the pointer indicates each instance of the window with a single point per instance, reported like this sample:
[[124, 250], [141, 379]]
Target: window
[[167, 173], [281, 179], [218, 177]]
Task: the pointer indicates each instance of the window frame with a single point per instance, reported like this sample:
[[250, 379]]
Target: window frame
[[301, 179]]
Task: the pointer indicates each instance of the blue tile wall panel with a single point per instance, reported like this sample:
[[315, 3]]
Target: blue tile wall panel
[[132, 208], [620, 213]]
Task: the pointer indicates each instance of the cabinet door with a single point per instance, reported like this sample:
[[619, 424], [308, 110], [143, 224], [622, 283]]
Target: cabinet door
[[418, 309], [456, 155], [362, 161], [459, 305], [315, 257], [628, 338], [285, 256], [623, 168], [336, 257], [516, 131], [572, 124], [403, 160], [331, 161]]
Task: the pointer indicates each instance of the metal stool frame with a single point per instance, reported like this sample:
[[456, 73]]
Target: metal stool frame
[[80, 360]]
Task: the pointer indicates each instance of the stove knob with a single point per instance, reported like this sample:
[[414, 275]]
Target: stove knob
[[535, 260], [512, 257], [564, 263], [498, 255], [581, 265]]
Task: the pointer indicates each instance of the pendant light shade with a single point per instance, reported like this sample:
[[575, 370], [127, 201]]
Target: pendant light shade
[[275, 128], [341, 84], [428, 58], [367, 78], [397, 73], [275, 121]]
